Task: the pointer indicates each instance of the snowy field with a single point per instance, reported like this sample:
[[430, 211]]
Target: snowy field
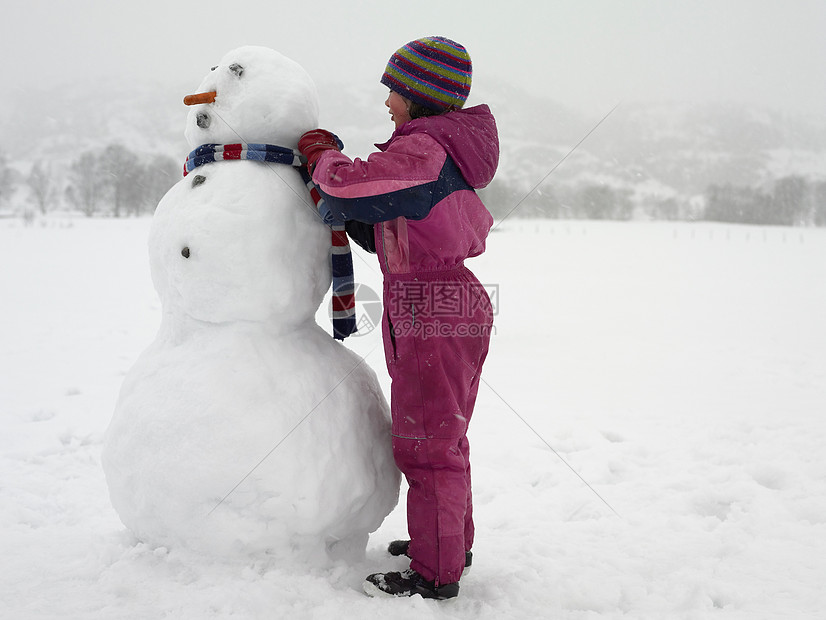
[[678, 369]]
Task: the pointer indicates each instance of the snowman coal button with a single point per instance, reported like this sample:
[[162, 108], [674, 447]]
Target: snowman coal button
[[198, 180], [185, 252]]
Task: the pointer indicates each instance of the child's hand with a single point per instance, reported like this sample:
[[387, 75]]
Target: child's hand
[[313, 143], [326, 214]]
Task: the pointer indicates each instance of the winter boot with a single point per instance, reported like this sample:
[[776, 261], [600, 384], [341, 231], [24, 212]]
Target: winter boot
[[407, 583], [401, 547]]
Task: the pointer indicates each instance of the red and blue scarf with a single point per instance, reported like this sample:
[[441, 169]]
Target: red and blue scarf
[[344, 303]]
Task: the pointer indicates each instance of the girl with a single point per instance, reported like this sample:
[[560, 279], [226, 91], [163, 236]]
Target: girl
[[413, 203]]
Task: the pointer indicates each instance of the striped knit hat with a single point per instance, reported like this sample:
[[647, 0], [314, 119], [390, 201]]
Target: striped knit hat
[[434, 72]]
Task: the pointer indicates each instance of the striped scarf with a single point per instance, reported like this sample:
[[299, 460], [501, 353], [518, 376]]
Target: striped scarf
[[344, 304]]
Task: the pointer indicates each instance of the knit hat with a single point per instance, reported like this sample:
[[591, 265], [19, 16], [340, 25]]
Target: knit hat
[[434, 72]]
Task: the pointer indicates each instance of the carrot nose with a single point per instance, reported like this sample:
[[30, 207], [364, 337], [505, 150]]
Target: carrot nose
[[200, 98]]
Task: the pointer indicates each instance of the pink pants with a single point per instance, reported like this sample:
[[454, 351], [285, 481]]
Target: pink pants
[[436, 329]]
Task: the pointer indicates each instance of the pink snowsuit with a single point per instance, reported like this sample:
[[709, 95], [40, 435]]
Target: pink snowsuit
[[419, 192]]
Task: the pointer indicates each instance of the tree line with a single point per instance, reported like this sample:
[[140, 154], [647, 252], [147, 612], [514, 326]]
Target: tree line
[[790, 201], [794, 201], [118, 182], [114, 182]]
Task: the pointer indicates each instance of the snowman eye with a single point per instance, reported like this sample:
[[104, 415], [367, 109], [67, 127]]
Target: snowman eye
[[213, 68], [237, 69], [185, 252]]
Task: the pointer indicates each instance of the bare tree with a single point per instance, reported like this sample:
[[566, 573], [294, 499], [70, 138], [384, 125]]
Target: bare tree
[[121, 173], [86, 185], [120, 176], [819, 199], [41, 185], [158, 176], [8, 180], [729, 203], [602, 202], [789, 203]]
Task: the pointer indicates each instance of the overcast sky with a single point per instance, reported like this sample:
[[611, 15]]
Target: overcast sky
[[585, 53]]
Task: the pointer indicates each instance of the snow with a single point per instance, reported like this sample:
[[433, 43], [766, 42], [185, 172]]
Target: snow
[[677, 368]]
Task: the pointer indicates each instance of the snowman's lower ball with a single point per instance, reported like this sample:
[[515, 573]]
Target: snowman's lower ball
[[237, 443]]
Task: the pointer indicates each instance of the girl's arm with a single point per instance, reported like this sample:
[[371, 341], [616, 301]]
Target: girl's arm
[[362, 234], [398, 182]]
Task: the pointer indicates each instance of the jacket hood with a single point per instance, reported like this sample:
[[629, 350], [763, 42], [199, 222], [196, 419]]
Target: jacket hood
[[469, 136]]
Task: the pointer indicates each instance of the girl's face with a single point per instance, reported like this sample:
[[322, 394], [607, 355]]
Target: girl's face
[[399, 112]]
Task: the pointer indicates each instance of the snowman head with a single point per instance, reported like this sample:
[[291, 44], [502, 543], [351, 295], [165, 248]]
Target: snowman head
[[260, 96]]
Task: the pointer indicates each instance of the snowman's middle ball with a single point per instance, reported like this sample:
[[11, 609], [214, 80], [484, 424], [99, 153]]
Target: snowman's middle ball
[[228, 248]]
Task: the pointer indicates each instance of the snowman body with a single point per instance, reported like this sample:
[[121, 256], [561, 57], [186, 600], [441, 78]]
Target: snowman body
[[244, 427]]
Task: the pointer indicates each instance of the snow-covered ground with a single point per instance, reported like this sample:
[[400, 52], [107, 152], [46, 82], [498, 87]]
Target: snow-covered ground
[[678, 370]]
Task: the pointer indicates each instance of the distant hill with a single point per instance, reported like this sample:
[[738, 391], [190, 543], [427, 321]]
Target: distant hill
[[58, 125], [665, 151]]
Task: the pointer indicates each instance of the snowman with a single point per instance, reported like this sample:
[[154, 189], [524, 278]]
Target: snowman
[[244, 428]]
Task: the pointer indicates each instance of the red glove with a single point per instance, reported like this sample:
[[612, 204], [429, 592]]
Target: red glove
[[313, 143]]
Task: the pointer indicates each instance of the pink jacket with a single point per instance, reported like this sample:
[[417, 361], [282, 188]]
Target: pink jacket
[[419, 189]]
